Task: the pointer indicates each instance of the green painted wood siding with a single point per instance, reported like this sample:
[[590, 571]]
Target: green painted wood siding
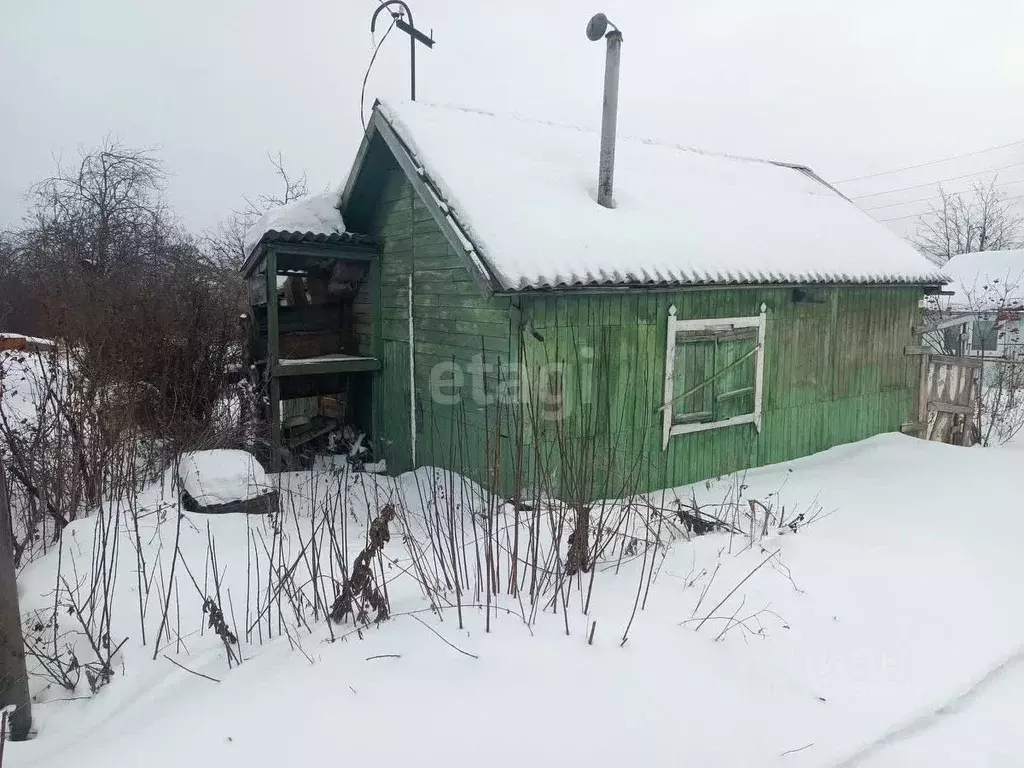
[[362, 314], [454, 326], [835, 371]]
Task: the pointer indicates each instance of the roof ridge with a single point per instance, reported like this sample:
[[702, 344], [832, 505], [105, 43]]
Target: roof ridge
[[621, 137], [752, 227]]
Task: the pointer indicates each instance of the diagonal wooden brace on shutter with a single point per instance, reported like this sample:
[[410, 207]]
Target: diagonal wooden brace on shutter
[[713, 329], [707, 381]]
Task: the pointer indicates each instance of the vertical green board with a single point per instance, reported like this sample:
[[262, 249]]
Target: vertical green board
[[454, 328], [835, 371]]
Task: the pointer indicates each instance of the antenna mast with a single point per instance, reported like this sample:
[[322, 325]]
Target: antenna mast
[[415, 36]]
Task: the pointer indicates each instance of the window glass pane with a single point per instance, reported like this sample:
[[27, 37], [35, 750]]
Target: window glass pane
[[984, 336], [951, 340]]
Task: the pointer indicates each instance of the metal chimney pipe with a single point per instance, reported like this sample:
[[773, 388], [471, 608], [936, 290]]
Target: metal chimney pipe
[[610, 109]]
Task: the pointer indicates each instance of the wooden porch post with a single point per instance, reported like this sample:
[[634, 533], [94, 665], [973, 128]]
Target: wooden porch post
[[273, 352]]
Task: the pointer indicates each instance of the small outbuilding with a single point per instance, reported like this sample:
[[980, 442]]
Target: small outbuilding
[[16, 342], [486, 315], [980, 312]]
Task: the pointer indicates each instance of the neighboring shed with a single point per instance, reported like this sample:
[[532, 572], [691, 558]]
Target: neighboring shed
[[982, 312], [21, 343], [727, 313]]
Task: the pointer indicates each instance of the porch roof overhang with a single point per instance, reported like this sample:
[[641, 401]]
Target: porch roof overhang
[[300, 251]]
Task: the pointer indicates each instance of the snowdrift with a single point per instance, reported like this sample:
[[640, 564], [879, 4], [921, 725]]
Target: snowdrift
[[881, 634]]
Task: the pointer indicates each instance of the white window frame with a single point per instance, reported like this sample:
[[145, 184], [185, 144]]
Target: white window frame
[[712, 324]]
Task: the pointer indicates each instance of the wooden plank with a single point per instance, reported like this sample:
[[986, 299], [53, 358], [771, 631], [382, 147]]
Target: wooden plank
[[311, 318], [376, 347], [320, 366], [966, 362], [949, 322], [490, 314], [950, 408], [965, 435], [275, 424], [922, 392], [473, 342], [347, 251], [913, 428], [317, 427], [273, 330], [471, 327], [273, 347]]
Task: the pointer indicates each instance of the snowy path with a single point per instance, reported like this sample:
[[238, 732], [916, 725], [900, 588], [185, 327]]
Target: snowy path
[[984, 721]]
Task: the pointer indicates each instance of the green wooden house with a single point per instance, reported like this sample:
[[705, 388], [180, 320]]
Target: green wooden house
[[726, 313]]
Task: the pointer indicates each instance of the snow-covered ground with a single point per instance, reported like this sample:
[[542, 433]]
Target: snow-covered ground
[[885, 633]]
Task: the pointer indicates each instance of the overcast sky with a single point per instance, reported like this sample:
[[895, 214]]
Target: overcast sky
[[849, 88]]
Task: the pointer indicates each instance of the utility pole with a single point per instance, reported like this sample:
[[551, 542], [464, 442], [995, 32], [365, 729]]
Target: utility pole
[[13, 671]]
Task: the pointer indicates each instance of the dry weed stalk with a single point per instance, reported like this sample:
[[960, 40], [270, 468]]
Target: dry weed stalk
[[360, 591]]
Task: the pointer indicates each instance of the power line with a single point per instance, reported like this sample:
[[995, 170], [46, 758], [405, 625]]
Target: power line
[[933, 197], [939, 181], [915, 215], [931, 162], [366, 75]]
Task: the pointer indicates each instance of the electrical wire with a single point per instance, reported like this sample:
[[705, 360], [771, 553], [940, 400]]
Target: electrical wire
[[931, 162], [366, 75], [933, 197], [939, 181], [916, 215]]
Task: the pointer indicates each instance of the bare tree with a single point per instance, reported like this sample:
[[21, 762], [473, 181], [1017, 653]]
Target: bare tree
[[102, 209], [980, 220], [226, 243], [149, 330], [7, 276], [13, 671], [101, 253]]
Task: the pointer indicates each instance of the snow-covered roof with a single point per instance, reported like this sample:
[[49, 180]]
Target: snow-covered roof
[[312, 215], [524, 196], [986, 280], [27, 340]]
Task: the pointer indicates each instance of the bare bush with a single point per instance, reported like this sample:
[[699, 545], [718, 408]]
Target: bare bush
[[226, 243], [149, 340]]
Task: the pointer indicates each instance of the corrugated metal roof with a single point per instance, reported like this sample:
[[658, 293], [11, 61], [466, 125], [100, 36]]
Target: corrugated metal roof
[[314, 238], [522, 194], [351, 238]]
